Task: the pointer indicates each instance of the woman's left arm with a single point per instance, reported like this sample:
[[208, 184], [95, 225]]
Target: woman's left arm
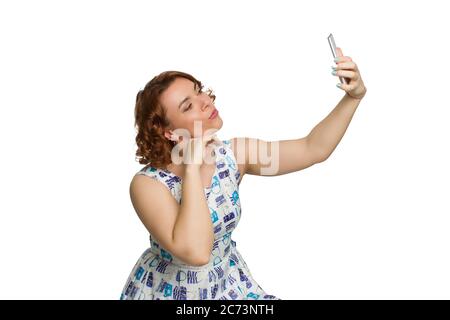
[[271, 158]]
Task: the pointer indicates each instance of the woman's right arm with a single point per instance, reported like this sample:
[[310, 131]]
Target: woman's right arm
[[193, 225], [185, 230]]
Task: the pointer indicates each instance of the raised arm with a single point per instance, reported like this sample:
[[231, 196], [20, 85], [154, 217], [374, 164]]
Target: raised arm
[[272, 158]]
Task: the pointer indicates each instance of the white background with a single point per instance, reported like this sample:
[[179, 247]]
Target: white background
[[371, 222]]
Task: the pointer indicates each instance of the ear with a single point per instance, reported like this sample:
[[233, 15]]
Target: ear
[[168, 134]]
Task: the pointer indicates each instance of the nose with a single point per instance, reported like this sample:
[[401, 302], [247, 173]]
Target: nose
[[205, 104]]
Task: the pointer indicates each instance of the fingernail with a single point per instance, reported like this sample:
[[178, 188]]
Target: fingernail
[[336, 59], [333, 67], [338, 85], [333, 72]]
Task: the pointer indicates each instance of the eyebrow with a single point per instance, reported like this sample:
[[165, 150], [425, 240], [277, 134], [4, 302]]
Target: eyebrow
[[185, 99]]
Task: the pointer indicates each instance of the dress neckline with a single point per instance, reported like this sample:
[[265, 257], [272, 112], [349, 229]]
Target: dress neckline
[[181, 179], [211, 182]]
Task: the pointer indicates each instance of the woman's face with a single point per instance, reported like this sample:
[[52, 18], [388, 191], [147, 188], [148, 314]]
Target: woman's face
[[186, 107]]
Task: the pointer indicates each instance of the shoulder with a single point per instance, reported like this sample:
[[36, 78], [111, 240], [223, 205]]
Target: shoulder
[[147, 186], [145, 179], [142, 187], [157, 178], [153, 172], [141, 179]]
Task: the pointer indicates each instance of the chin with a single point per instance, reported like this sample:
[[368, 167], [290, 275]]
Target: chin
[[219, 123]]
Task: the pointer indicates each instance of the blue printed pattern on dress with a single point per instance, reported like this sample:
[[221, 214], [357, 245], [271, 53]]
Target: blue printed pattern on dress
[[159, 275]]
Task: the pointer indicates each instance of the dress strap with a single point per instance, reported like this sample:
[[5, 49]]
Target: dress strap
[[230, 159]]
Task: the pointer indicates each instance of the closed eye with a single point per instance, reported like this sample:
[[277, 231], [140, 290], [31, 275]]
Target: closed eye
[[190, 105]]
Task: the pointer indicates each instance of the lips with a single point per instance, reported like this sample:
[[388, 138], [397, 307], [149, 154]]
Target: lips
[[214, 114]]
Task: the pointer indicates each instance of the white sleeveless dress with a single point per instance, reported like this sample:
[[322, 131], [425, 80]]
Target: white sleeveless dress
[[158, 275]]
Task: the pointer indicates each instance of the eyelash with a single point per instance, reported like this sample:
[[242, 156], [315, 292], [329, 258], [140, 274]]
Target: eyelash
[[189, 106]]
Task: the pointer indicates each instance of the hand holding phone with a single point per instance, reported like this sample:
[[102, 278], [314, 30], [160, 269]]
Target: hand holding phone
[[334, 52]]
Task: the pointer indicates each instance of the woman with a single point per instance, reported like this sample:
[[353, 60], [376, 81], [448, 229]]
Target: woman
[[190, 205]]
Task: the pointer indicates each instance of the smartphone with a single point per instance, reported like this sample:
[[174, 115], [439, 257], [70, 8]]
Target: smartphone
[[333, 50]]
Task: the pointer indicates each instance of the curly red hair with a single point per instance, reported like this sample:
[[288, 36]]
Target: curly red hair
[[151, 120]]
